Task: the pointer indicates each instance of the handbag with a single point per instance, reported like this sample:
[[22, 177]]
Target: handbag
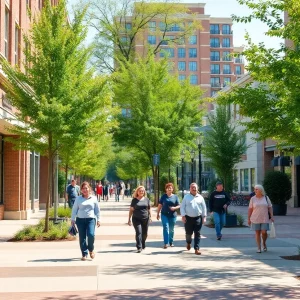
[[272, 231], [268, 208], [72, 230]]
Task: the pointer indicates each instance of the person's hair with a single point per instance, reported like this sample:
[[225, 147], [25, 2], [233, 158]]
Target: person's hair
[[87, 184], [73, 180], [194, 183], [135, 194], [261, 188], [169, 184]]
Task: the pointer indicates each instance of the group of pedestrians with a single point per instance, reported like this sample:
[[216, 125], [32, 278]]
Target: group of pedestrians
[[194, 212], [86, 215]]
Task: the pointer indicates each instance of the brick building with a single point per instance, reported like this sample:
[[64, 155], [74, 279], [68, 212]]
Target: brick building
[[21, 182]]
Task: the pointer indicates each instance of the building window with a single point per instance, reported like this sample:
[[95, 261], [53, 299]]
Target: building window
[[193, 79], [167, 40], [6, 33], [192, 52], [152, 26], [214, 29], [226, 69], [215, 42], [152, 39], [215, 82], [181, 52], [226, 56], [226, 29], [193, 40], [181, 66], [192, 66], [215, 69], [128, 26], [175, 27], [226, 43], [181, 77], [244, 180], [238, 70], [167, 52], [213, 92], [34, 175], [17, 33], [215, 56], [227, 81], [162, 26]]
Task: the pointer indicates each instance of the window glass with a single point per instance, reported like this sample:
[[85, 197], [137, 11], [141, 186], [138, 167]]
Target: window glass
[[214, 29], [238, 70], [181, 52], [226, 69], [181, 66], [193, 79], [227, 56], [226, 42], [192, 66], [215, 69], [215, 42], [215, 82], [192, 52], [226, 29], [193, 40], [215, 56], [152, 39]]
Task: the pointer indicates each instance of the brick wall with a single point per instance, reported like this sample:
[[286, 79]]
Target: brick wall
[[1, 212]]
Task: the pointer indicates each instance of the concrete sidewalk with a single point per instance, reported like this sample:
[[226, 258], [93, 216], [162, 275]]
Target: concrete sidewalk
[[227, 269]]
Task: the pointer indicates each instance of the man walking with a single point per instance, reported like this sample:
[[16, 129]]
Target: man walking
[[193, 212], [73, 191], [218, 203]]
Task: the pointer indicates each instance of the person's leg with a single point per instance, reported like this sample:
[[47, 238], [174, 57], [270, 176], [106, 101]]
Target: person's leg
[[197, 230], [91, 224], [81, 225], [222, 222], [145, 225], [165, 223], [258, 239], [189, 227], [217, 222], [172, 222], [138, 232], [264, 235]]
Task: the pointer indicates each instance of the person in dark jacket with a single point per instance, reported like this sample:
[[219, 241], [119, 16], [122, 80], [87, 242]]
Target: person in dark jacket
[[218, 203]]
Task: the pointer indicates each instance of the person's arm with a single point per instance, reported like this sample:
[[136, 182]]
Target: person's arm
[[158, 211], [149, 210], [182, 209], [204, 210], [130, 215], [177, 204], [97, 211], [75, 209], [270, 209], [250, 211]]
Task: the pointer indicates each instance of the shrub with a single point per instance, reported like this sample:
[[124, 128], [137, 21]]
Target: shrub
[[61, 212], [210, 221], [35, 232], [240, 220], [278, 187]]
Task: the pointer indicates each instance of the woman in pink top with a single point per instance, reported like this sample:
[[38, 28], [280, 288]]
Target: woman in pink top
[[258, 216]]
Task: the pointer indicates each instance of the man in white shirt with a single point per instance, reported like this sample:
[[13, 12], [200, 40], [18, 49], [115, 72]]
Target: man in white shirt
[[193, 212]]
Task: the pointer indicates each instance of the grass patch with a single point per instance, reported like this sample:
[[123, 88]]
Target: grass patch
[[61, 212], [35, 232]]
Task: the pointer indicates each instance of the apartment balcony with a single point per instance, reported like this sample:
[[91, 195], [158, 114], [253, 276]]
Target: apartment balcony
[[227, 32], [238, 60]]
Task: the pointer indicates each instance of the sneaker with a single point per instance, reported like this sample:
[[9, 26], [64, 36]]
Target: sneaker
[[139, 251], [218, 238], [188, 246], [197, 252], [92, 254], [83, 257], [171, 245]]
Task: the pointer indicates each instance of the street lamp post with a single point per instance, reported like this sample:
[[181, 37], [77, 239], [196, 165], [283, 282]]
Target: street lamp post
[[199, 142], [182, 172], [192, 153]]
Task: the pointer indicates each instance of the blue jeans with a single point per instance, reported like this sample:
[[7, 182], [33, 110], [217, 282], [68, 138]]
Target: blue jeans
[[168, 228], [86, 230], [219, 220]]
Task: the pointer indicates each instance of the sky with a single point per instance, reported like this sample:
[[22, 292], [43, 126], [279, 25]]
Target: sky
[[225, 8]]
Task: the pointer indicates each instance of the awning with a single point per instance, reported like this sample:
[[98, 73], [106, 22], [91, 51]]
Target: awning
[[282, 161]]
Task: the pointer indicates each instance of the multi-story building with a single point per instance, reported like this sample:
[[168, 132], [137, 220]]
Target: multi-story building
[[21, 182]]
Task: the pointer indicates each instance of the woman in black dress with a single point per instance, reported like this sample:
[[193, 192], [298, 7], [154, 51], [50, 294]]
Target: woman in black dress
[[141, 216]]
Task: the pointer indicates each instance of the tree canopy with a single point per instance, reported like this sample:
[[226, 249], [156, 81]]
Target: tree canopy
[[272, 99]]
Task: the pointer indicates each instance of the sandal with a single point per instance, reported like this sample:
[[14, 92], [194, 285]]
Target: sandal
[[265, 249]]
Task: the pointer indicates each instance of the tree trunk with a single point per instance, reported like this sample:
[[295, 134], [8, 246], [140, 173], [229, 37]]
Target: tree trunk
[[66, 178]]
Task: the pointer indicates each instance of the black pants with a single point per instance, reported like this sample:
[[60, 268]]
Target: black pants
[[141, 231], [193, 225]]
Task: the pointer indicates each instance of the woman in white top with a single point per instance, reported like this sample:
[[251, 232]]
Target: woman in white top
[[260, 207], [86, 213]]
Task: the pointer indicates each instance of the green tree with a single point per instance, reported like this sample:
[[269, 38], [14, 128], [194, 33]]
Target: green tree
[[120, 24], [224, 145], [160, 110], [56, 97], [272, 101]]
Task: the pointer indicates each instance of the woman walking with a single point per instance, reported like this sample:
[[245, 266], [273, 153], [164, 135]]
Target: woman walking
[[168, 204], [85, 213], [141, 216], [260, 207]]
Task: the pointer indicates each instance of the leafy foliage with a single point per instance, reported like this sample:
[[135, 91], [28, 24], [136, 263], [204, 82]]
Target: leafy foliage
[[224, 145], [61, 212], [272, 99], [278, 187]]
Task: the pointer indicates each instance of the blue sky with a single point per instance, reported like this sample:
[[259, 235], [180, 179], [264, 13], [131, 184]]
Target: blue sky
[[225, 8]]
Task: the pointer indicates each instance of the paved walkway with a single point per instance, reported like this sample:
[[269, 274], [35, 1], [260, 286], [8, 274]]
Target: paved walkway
[[227, 269]]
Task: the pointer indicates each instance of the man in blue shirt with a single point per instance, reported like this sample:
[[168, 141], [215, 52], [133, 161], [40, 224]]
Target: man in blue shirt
[[73, 191]]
